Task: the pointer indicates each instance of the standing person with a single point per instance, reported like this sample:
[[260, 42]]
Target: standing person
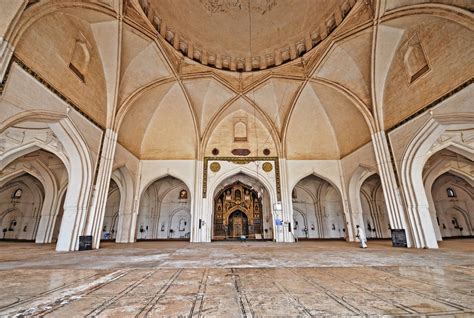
[[362, 237]]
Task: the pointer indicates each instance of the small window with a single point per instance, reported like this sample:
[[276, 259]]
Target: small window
[[451, 193], [17, 194], [240, 130]]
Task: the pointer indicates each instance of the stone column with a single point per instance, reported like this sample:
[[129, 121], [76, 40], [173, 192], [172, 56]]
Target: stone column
[[391, 191], [283, 234], [197, 234], [348, 226], [101, 188], [71, 225]]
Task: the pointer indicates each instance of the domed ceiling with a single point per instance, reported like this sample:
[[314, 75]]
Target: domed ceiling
[[245, 35]]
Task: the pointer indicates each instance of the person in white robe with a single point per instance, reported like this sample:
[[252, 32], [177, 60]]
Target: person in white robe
[[362, 237]]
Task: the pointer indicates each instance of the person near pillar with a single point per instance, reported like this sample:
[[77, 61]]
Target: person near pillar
[[361, 236]]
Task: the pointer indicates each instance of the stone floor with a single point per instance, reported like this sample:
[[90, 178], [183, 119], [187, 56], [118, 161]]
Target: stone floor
[[232, 279]]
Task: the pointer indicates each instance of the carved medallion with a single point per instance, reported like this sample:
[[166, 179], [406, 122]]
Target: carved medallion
[[215, 166], [267, 167]]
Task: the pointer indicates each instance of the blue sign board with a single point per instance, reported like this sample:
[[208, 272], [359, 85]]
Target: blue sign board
[[279, 222]]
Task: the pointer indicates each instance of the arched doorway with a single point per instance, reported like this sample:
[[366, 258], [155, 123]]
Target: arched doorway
[[238, 224], [453, 198], [29, 192], [242, 207], [21, 201], [164, 211], [320, 205]]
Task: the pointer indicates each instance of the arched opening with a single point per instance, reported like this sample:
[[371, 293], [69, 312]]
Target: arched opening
[[320, 205], [164, 211], [437, 134], [30, 197], [21, 201], [448, 182], [374, 211], [454, 214], [109, 227], [238, 224], [241, 208]]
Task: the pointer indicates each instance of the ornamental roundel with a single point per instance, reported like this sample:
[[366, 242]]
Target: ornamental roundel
[[215, 166], [267, 167]]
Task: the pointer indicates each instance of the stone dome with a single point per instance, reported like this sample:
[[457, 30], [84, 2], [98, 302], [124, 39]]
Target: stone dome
[[242, 35]]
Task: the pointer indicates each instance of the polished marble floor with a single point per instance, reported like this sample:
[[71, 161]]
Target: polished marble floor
[[232, 279]]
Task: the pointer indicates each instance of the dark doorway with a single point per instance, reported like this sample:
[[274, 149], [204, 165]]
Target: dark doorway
[[238, 224]]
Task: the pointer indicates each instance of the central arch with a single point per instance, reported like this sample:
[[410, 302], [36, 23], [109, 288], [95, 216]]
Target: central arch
[[256, 200], [238, 211]]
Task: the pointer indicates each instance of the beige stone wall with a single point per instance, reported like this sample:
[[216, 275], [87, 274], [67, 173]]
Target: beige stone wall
[[445, 44], [47, 47]]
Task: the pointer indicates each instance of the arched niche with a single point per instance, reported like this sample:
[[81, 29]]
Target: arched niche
[[21, 202], [453, 199], [50, 172], [164, 211], [439, 132], [450, 161], [231, 173], [321, 204], [241, 208], [61, 138]]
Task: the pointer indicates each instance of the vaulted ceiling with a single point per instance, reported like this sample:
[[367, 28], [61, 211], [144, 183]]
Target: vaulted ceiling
[[315, 79]]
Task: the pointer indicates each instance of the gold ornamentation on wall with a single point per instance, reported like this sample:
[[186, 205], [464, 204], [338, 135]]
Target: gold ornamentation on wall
[[267, 167], [215, 166], [242, 161], [237, 212]]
